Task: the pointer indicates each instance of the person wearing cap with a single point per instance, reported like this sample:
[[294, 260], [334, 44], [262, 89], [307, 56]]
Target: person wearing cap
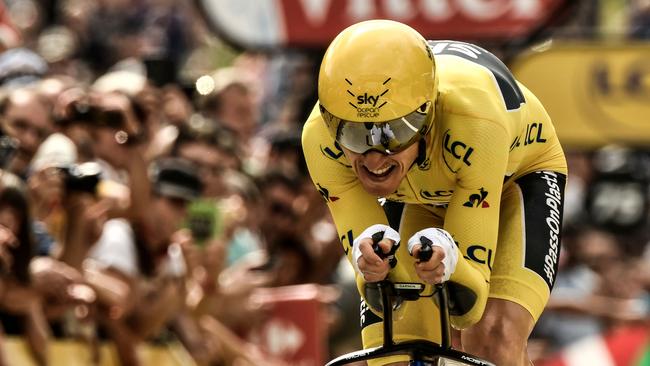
[[21, 67], [444, 129], [128, 255]]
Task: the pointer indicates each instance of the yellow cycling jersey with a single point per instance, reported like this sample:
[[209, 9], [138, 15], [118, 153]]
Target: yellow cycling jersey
[[488, 131]]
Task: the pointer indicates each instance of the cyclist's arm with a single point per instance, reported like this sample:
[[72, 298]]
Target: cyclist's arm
[[352, 208], [473, 214]]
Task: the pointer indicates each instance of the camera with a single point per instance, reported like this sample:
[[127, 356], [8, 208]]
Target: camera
[[82, 177], [8, 147], [82, 112]]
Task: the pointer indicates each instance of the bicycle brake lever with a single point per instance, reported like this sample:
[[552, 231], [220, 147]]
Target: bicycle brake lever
[[426, 251], [376, 238]]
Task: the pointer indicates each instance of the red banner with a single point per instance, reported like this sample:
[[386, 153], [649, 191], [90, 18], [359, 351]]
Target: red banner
[[314, 23], [295, 332]]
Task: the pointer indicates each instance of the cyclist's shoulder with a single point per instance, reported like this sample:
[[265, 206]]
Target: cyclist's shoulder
[[469, 73], [314, 131], [321, 152], [313, 123], [464, 61], [474, 85]]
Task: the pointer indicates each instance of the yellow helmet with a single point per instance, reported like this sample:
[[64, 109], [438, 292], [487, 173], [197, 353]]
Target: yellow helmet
[[377, 86]]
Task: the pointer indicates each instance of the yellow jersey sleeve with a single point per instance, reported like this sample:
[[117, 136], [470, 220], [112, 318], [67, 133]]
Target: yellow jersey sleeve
[[352, 208]]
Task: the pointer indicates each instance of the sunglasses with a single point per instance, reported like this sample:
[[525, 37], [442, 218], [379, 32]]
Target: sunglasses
[[387, 137]]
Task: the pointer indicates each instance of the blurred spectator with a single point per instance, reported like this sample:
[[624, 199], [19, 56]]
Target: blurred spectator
[[290, 90], [240, 219], [21, 67], [639, 19], [591, 293], [28, 17], [146, 268], [26, 116], [116, 128], [280, 217], [231, 104], [285, 153], [201, 143], [9, 35], [22, 304], [115, 33]]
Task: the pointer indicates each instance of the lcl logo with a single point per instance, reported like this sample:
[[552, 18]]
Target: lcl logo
[[617, 96], [457, 149], [632, 82]]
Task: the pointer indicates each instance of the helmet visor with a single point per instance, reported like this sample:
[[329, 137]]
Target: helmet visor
[[388, 137]]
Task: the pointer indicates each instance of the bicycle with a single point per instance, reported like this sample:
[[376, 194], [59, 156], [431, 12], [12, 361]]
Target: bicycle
[[421, 352]]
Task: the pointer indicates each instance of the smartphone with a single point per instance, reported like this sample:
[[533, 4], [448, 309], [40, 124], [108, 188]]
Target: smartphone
[[202, 220], [161, 71]]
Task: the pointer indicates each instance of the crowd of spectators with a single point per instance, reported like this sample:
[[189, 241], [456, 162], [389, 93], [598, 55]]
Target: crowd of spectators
[[137, 206], [603, 283], [152, 182]]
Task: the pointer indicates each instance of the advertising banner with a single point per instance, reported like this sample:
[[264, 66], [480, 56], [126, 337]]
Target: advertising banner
[[314, 23], [596, 94], [295, 331]]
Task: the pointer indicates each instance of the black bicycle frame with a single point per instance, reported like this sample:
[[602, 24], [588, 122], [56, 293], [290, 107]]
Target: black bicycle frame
[[418, 350]]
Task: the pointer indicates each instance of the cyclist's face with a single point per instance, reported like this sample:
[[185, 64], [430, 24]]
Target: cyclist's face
[[381, 174]]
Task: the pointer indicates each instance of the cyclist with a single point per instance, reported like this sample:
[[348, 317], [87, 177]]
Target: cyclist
[[445, 129]]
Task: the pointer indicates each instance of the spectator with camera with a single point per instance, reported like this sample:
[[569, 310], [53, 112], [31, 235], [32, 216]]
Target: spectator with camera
[[139, 275], [217, 220], [27, 121], [115, 124]]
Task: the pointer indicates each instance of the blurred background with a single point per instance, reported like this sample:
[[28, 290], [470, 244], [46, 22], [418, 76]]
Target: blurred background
[[155, 207]]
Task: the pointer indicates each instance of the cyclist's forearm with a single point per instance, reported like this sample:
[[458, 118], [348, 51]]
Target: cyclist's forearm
[[467, 275]]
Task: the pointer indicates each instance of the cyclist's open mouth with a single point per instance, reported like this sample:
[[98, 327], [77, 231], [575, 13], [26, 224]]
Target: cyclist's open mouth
[[380, 173]]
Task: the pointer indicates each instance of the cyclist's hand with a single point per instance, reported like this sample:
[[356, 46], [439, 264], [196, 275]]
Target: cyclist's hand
[[433, 270], [372, 265], [444, 255]]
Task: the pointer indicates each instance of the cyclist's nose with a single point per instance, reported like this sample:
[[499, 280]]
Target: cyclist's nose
[[374, 159]]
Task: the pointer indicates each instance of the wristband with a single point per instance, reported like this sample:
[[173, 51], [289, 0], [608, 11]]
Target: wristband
[[439, 238]]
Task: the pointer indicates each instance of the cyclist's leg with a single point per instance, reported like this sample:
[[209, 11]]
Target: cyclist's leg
[[525, 265], [414, 320], [501, 335]]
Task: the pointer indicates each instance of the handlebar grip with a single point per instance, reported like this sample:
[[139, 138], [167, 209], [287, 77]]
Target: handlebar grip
[[426, 251], [376, 238]]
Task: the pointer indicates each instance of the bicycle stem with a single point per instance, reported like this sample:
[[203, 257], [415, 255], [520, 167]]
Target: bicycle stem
[[387, 302], [443, 307], [384, 289]]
